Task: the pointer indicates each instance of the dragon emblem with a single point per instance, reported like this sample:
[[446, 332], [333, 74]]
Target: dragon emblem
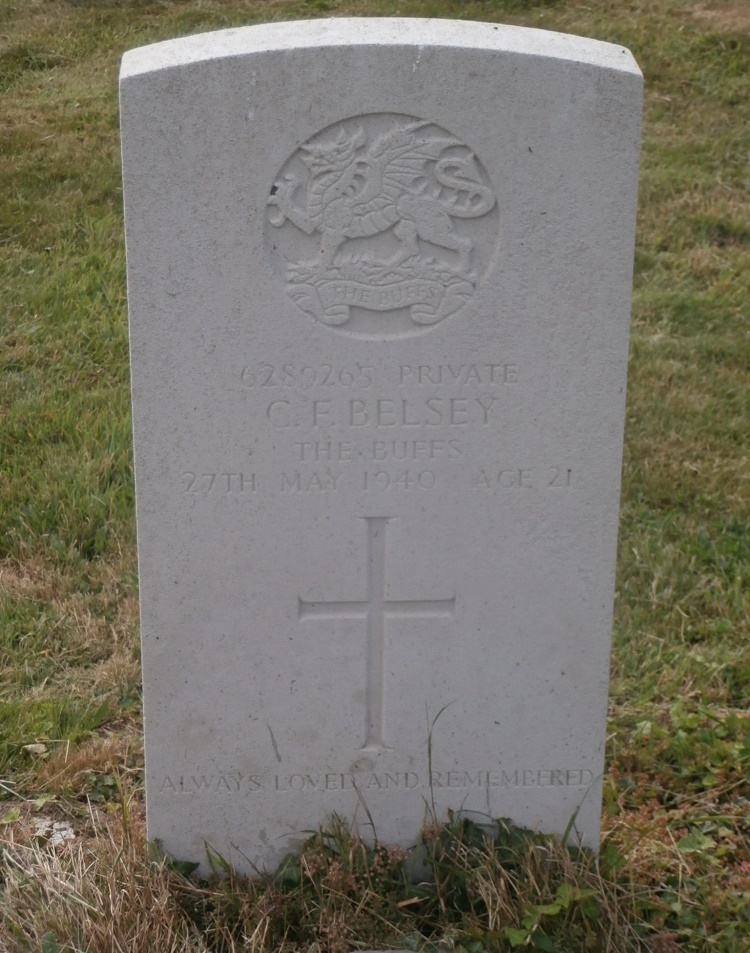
[[379, 214]]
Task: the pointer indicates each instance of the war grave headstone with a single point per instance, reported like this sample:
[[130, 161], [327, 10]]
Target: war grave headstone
[[379, 281]]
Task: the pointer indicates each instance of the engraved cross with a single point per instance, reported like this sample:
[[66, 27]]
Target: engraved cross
[[376, 610]]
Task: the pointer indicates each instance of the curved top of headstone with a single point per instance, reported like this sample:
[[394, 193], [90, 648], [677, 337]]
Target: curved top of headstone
[[369, 31]]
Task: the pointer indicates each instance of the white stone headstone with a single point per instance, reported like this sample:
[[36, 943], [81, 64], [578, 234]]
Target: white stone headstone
[[379, 280]]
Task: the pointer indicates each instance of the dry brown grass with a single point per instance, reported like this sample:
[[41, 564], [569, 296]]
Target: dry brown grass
[[29, 578], [100, 893], [103, 892], [68, 769], [729, 16]]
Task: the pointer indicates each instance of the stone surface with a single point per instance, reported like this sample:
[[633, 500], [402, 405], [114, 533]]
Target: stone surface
[[379, 277]]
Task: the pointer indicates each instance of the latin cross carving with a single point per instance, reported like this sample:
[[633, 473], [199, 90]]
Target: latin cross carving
[[376, 609]]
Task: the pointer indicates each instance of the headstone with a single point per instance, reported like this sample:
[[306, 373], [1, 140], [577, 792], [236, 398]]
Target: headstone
[[379, 277]]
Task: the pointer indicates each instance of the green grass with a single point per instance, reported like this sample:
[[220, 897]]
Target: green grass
[[675, 869]]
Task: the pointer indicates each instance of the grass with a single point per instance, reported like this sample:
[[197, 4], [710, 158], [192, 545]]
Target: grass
[[674, 873], [499, 885]]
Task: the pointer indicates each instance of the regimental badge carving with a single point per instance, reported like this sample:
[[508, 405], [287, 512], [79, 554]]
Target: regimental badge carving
[[382, 224]]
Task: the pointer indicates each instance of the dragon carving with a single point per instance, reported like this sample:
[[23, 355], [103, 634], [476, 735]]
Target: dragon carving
[[366, 216], [411, 182]]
